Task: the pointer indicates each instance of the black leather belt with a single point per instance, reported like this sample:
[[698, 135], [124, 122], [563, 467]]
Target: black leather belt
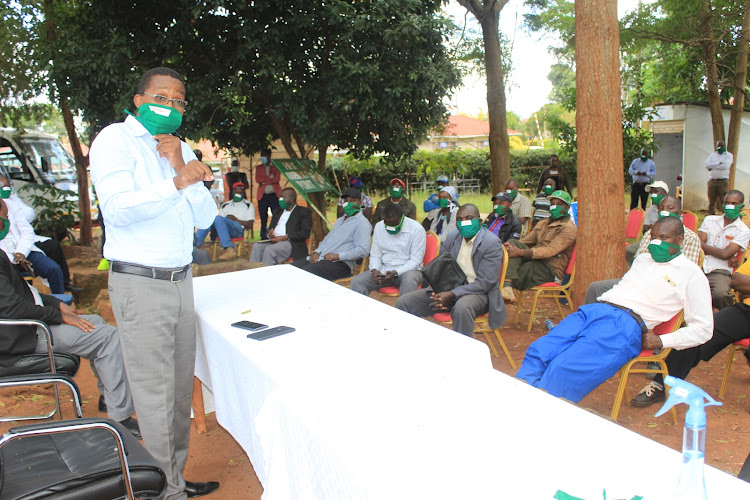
[[634, 314], [157, 273]]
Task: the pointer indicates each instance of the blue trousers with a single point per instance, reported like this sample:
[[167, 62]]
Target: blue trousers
[[269, 200], [222, 227], [584, 350], [48, 269]]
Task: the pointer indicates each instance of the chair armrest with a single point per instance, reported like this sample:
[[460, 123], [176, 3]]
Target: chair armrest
[[30, 322], [48, 378]]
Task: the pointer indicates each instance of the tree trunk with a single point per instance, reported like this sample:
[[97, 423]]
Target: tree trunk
[[601, 185], [740, 82], [84, 202], [319, 228], [712, 74]]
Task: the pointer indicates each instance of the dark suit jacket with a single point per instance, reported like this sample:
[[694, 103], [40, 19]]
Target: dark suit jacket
[[17, 302], [487, 258], [510, 230], [297, 228]]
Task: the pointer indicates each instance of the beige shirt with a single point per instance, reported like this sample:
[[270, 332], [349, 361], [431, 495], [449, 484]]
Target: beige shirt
[[464, 259]]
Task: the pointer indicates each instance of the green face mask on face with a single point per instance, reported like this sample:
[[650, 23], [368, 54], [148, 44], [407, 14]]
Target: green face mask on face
[[731, 212], [394, 229], [5, 192], [502, 210], [396, 192], [158, 119], [444, 202], [721, 150], [555, 212], [5, 229], [659, 251], [351, 208], [512, 192], [665, 213], [656, 198], [237, 197], [469, 228], [282, 204], [548, 189]]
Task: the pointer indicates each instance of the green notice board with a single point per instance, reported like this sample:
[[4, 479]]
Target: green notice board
[[303, 175]]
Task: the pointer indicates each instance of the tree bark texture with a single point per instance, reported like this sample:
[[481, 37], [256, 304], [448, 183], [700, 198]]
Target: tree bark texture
[[84, 202], [601, 204], [740, 83], [712, 74]]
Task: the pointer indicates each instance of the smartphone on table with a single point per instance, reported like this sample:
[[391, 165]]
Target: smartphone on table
[[250, 325]]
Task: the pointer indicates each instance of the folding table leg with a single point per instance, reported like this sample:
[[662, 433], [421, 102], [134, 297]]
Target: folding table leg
[[199, 410]]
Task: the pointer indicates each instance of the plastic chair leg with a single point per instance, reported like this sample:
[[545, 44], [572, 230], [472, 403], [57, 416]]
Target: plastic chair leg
[[727, 371]]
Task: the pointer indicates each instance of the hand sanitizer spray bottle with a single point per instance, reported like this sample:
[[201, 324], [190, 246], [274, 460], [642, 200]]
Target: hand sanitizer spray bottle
[[691, 484]]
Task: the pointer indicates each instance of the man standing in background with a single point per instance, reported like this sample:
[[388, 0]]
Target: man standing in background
[[268, 178], [642, 169], [718, 165]]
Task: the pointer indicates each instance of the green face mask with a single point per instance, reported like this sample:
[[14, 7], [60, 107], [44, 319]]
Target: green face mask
[[512, 192], [656, 198], [502, 210], [644, 157], [394, 229], [659, 251], [5, 192], [351, 208], [731, 212], [396, 192], [555, 212], [5, 229], [548, 189], [721, 150], [237, 197], [282, 204], [159, 119], [665, 213], [469, 228], [444, 202]]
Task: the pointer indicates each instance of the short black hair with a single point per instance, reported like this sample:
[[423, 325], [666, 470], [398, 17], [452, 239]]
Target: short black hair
[[676, 199], [736, 192], [265, 152], [673, 224], [392, 211], [293, 191], [160, 71], [469, 207]]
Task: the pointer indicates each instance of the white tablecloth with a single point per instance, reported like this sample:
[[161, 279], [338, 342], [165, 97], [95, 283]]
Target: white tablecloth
[[366, 402]]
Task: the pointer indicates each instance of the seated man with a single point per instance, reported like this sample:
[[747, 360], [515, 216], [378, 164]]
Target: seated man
[[398, 246], [290, 228], [367, 205], [347, 242], [234, 217], [480, 256], [541, 203], [690, 248], [521, 205], [590, 345], [722, 236], [443, 218], [659, 190], [396, 195], [432, 203], [87, 336], [502, 222], [543, 254]]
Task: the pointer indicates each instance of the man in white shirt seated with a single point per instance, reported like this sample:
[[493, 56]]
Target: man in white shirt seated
[[398, 246], [722, 236], [589, 346], [234, 217], [289, 231]]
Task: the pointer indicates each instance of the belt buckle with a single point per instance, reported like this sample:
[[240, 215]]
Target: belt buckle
[[172, 275], [153, 273]]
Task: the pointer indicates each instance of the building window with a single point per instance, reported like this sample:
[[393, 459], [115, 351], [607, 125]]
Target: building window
[[483, 144], [445, 145]]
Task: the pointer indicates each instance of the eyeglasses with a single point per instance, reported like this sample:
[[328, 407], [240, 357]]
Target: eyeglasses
[[164, 100]]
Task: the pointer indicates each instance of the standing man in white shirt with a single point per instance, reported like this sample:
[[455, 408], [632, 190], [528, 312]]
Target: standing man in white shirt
[[150, 187], [718, 165], [589, 346], [398, 246], [722, 236]]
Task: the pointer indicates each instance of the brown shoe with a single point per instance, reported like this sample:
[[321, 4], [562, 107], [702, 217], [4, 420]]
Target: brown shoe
[[508, 295], [229, 253]]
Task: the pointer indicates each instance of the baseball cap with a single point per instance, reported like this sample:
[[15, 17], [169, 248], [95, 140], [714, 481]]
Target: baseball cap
[[352, 193], [561, 195], [442, 178], [659, 184], [501, 196], [396, 180], [355, 182], [238, 184]]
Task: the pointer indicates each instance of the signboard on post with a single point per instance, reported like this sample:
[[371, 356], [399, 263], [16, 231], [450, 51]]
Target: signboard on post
[[304, 176]]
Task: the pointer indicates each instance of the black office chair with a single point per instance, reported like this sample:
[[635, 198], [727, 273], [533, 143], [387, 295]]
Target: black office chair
[[35, 365], [86, 459]]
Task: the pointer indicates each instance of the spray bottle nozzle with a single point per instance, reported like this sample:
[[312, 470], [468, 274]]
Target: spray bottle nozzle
[[685, 392]]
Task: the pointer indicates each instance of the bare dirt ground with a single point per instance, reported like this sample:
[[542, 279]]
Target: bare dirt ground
[[216, 456]]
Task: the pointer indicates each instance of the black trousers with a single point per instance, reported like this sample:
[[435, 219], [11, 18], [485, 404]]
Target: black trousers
[[269, 200], [730, 325], [638, 191], [326, 269], [53, 250]]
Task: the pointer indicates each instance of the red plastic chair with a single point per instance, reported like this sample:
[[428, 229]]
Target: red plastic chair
[[635, 221], [689, 220], [431, 250], [647, 356], [741, 345]]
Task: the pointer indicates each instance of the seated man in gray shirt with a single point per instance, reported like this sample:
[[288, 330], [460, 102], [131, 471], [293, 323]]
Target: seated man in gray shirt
[[348, 241], [398, 246]]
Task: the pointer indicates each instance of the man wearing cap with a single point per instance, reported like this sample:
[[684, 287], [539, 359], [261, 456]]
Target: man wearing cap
[[289, 230], [431, 203], [521, 205], [443, 218], [642, 170], [235, 216], [718, 165], [556, 172], [348, 241], [268, 178], [542, 255], [658, 191], [367, 205], [502, 222], [398, 246], [232, 177], [396, 195]]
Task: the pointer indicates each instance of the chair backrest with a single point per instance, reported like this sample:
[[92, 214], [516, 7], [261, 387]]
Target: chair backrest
[[572, 263], [669, 326], [432, 247], [504, 269], [635, 220], [701, 257], [689, 220]]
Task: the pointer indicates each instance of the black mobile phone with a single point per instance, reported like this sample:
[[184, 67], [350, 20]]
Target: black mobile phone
[[271, 333], [380, 275], [249, 325]]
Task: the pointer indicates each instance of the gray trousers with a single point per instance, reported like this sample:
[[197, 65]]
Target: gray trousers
[[156, 322], [599, 287], [630, 252], [102, 348], [720, 281], [271, 253], [464, 311], [408, 282]]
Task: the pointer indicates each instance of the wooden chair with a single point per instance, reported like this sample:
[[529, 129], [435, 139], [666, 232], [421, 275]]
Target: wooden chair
[[647, 356], [432, 250], [482, 322], [359, 268], [239, 242], [551, 289], [741, 345], [689, 219], [634, 224]]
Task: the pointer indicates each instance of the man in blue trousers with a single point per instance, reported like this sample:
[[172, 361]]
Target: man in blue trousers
[[589, 346]]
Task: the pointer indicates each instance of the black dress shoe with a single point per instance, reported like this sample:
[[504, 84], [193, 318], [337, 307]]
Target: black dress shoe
[[199, 489], [73, 288], [131, 424], [102, 404]]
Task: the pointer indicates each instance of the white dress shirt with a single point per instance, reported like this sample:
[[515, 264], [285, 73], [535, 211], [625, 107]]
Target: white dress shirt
[[21, 237], [464, 259], [718, 165], [280, 229], [720, 236], [401, 252], [149, 221], [658, 291]]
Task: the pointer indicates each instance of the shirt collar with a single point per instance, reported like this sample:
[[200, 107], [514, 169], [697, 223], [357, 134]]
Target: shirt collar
[[135, 127]]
